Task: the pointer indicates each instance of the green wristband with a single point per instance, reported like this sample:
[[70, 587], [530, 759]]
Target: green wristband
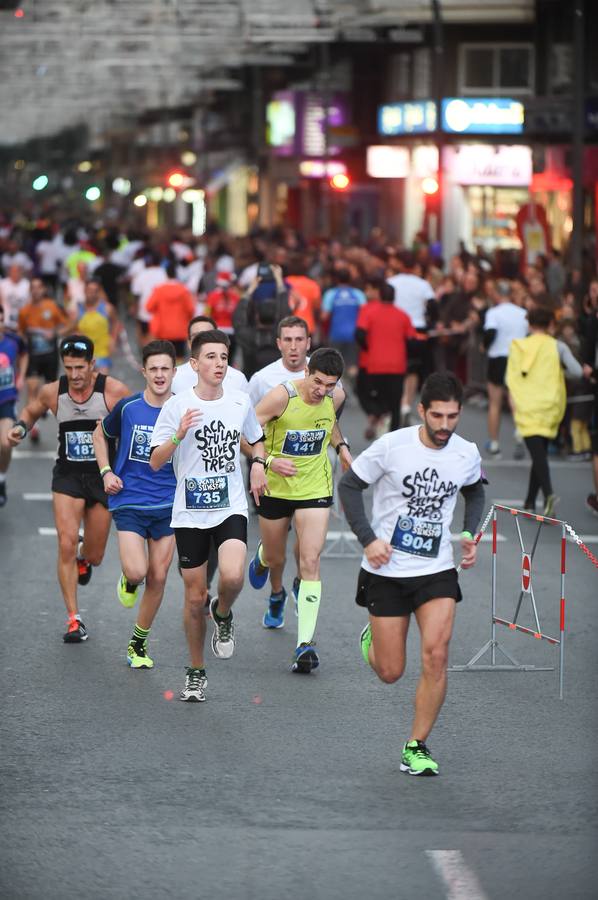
[[468, 535], [175, 440], [104, 470]]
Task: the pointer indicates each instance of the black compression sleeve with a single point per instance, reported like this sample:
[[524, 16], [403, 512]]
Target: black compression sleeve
[[474, 505], [350, 490]]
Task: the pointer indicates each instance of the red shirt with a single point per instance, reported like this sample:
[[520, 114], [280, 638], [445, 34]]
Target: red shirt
[[388, 329], [221, 304]]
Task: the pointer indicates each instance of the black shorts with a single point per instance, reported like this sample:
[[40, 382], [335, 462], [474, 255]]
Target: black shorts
[[86, 486], [497, 367], [279, 508], [419, 357], [385, 393], [43, 366], [193, 544], [384, 596]]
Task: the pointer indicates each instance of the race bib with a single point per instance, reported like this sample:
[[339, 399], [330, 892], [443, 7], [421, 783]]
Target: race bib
[[207, 493], [304, 443], [7, 378], [139, 451], [79, 446], [416, 536]]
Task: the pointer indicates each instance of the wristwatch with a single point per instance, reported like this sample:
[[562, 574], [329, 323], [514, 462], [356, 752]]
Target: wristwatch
[[259, 459], [341, 444]]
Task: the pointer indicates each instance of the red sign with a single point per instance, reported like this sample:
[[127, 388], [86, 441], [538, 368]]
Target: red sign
[[532, 228], [526, 573]]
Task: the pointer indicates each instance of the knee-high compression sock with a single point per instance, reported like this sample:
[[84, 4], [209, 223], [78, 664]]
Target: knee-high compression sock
[[140, 634], [310, 593]]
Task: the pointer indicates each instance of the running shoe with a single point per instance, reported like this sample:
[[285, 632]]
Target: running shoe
[[2, 494], [550, 504], [76, 631], [493, 450], [305, 659], [258, 573], [592, 503], [137, 657], [274, 615], [195, 686], [295, 592], [416, 759], [83, 566], [365, 642], [519, 451], [127, 598], [223, 638], [34, 434]]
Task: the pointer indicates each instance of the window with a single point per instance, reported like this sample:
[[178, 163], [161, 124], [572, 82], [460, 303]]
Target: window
[[496, 68]]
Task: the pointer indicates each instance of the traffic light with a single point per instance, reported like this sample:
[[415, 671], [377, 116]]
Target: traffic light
[[176, 180], [430, 186], [340, 182]]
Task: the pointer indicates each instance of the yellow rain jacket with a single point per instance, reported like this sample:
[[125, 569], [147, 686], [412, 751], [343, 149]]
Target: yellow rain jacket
[[536, 382]]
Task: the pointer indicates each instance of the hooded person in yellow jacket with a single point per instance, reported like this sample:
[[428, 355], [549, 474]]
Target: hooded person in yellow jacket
[[536, 383]]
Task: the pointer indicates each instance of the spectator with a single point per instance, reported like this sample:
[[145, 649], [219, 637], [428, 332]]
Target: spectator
[[305, 297], [14, 294], [340, 308]]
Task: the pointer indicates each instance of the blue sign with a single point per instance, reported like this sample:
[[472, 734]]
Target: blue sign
[[464, 115], [418, 117]]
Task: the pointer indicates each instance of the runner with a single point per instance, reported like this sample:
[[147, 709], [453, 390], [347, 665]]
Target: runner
[[13, 365], [300, 421], [78, 399], [100, 323], [140, 500], [202, 427], [186, 376], [294, 343], [407, 565], [41, 322]]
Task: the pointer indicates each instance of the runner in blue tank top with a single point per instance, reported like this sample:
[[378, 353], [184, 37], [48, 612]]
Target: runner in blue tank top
[[140, 499], [13, 364]]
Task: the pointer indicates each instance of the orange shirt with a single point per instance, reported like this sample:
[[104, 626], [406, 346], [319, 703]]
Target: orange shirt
[[305, 299], [171, 306], [39, 323]]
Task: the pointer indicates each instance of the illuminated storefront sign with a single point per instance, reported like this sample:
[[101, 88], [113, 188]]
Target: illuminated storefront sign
[[482, 164], [424, 161], [407, 118], [387, 162], [280, 123], [317, 168], [482, 116]]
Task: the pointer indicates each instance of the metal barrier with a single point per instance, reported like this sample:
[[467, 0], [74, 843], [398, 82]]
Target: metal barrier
[[527, 591], [341, 543]]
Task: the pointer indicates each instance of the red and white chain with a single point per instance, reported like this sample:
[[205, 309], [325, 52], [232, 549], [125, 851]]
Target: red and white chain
[[575, 537]]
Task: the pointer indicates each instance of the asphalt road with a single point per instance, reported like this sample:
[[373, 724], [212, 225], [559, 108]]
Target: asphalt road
[[282, 785]]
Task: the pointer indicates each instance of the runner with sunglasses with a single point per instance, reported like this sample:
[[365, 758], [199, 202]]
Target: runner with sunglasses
[[78, 400]]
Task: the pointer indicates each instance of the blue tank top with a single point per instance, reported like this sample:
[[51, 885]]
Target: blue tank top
[[132, 422], [345, 310], [11, 346]]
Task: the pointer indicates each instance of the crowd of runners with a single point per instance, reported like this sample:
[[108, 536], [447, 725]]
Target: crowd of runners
[[176, 465]]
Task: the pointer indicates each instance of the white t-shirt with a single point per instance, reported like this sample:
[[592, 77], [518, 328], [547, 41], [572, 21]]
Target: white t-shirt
[[20, 258], [48, 254], [415, 492], [411, 295], [13, 297], [248, 274], [207, 464], [509, 321], [143, 285], [262, 381], [186, 378]]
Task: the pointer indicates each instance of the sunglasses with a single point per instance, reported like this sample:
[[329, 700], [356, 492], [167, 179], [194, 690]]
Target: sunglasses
[[81, 346]]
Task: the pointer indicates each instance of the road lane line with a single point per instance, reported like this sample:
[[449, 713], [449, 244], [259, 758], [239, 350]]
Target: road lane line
[[33, 454], [485, 539], [47, 532], [458, 879], [37, 496]]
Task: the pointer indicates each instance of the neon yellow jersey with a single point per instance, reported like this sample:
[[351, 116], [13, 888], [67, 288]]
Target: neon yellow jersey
[[302, 434], [95, 325]]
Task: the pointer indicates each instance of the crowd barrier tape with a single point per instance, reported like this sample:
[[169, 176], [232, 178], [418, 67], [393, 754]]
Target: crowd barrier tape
[[526, 592]]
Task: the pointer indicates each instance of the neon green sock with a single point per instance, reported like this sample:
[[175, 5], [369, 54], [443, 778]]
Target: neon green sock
[[140, 634], [260, 556], [310, 593]]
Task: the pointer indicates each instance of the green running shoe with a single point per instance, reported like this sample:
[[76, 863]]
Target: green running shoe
[[365, 640], [127, 598], [137, 657], [416, 759]]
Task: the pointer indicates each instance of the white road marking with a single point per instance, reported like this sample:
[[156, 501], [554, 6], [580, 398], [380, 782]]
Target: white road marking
[[335, 535], [47, 532], [37, 496], [33, 454], [458, 879], [524, 464], [518, 503]]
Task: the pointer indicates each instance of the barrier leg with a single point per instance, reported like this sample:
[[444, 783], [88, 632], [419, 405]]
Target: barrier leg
[[562, 616]]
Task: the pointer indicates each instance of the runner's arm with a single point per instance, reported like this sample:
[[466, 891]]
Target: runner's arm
[[112, 483], [339, 397], [344, 454], [45, 401], [23, 363], [272, 405], [115, 391], [473, 495]]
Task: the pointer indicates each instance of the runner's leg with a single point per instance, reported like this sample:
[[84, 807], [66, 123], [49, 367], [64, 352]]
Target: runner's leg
[[232, 555], [387, 652], [435, 621], [68, 512], [160, 555], [96, 528], [274, 533], [194, 619], [312, 527]]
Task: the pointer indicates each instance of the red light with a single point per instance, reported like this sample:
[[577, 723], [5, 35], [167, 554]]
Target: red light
[[340, 181], [176, 179], [19, 13], [429, 186]]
